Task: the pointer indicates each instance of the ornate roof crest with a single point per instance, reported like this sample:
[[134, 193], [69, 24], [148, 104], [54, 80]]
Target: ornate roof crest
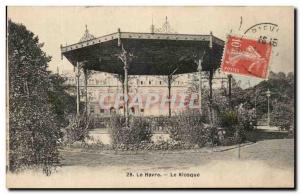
[[87, 36], [166, 28]]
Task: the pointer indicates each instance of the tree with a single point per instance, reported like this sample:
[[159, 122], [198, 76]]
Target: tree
[[63, 103], [281, 99], [282, 115], [33, 126], [237, 93]]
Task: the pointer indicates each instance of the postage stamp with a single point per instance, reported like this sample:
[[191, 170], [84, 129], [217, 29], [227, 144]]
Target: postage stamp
[[246, 56]]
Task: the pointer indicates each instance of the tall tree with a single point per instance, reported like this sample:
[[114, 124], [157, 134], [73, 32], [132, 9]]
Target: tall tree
[[33, 128], [282, 99], [62, 102]]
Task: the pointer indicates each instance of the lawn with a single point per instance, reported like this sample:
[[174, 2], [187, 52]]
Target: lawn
[[278, 153]]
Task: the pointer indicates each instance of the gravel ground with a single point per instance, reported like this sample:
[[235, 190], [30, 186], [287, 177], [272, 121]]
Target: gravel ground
[[265, 164]]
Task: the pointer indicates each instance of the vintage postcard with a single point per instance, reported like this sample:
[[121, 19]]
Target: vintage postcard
[[150, 97]]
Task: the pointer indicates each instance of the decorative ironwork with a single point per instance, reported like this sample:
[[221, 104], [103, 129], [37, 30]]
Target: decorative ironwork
[[134, 35], [87, 36], [126, 57], [166, 28]]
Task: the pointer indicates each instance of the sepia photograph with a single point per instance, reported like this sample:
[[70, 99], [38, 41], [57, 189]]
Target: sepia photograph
[[127, 97]]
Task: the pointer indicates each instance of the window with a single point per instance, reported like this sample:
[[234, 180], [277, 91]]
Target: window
[[92, 109], [149, 82], [112, 110], [91, 96], [159, 82], [142, 110], [141, 82], [132, 110], [101, 110]]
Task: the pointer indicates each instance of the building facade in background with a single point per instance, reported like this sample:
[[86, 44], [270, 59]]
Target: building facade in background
[[107, 88]]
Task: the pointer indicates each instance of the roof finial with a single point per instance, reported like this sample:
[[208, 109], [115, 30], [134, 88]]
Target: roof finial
[[152, 19], [152, 26], [87, 35], [166, 27]]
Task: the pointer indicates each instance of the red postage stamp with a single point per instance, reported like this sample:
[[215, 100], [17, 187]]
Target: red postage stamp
[[246, 57]]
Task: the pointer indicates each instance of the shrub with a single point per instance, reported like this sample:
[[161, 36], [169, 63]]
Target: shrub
[[235, 123], [228, 118], [95, 146], [282, 115], [170, 144], [136, 133], [188, 127], [246, 119], [240, 133], [77, 130]]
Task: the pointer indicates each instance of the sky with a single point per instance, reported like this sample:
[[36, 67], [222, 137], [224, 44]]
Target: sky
[[66, 25]]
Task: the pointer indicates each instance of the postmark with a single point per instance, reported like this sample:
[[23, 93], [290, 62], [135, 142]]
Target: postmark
[[246, 57], [266, 33]]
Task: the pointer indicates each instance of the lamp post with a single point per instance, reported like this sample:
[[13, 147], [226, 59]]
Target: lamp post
[[268, 96], [77, 89], [200, 86], [229, 90], [255, 99]]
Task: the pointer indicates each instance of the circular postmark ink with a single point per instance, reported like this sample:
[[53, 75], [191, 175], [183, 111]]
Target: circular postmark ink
[[265, 33]]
